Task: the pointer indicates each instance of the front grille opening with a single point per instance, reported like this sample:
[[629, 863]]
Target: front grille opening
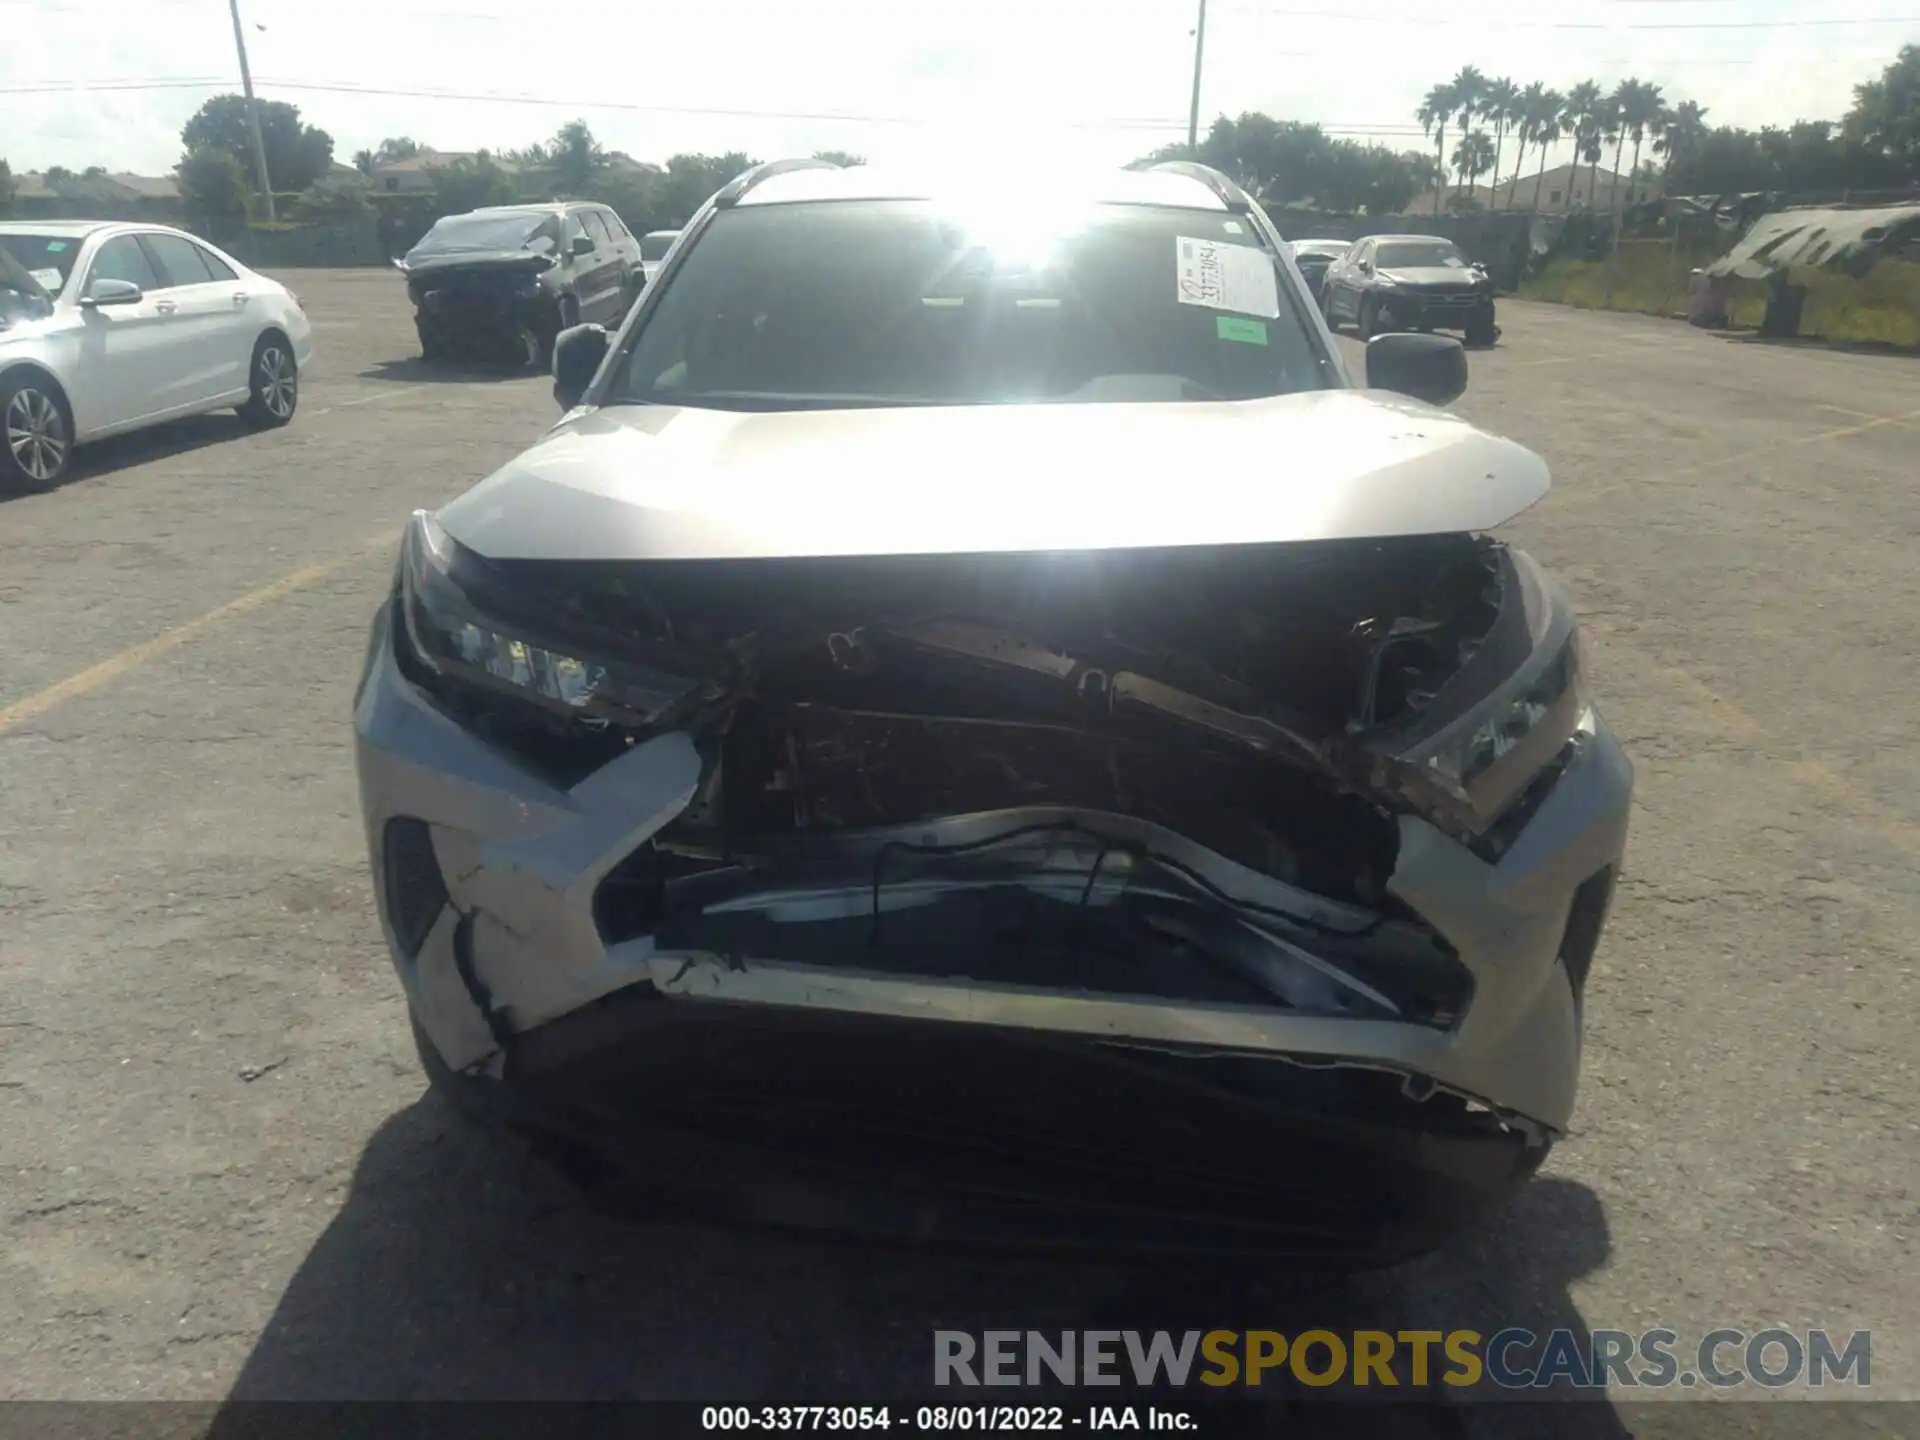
[[1585, 918], [415, 889]]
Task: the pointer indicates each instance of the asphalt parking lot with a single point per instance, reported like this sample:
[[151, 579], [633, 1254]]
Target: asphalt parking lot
[[218, 1173]]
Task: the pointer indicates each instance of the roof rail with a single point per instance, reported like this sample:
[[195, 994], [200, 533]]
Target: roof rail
[[731, 192], [1234, 197]]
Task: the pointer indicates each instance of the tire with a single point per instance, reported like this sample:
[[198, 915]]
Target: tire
[[273, 383], [432, 351], [36, 433], [1482, 333], [1326, 309], [1363, 327], [539, 354]]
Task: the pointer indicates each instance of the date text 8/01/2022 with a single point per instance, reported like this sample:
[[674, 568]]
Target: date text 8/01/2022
[[927, 1419]]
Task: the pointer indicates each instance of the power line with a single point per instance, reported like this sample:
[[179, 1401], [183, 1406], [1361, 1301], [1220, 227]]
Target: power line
[[1479, 23], [497, 97]]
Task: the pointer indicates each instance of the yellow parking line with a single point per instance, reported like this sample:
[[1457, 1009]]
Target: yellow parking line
[[114, 666], [1811, 771]]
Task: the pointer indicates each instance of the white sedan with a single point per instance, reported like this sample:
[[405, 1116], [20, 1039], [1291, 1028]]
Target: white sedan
[[107, 327]]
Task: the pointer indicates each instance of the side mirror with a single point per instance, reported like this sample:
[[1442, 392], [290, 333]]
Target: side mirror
[[577, 354], [111, 292], [1432, 368], [582, 245]]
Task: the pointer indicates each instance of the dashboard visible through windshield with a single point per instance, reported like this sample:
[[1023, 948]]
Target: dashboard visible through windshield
[[838, 304]]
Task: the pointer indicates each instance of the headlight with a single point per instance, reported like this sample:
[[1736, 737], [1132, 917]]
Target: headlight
[[1478, 760], [1502, 726], [1386, 281], [453, 636]]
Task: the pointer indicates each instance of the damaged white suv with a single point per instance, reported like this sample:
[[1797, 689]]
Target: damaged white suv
[[974, 724]]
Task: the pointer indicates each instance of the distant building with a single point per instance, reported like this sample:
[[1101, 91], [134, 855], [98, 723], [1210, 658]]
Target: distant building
[[1565, 188]]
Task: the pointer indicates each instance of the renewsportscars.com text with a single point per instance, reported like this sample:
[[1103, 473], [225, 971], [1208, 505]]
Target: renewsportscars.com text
[[1511, 1359]]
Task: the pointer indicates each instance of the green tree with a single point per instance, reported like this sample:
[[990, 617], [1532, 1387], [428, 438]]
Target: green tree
[[1586, 109], [1469, 89], [1681, 132], [364, 161], [576, 157], [297, 154], [840, 157], [1472, 158], [212, 184], [57, 175], [1539, 111], [6, 187], [1642, 111], [467, 185], [1885, 118], [1502, 107], [1434, 114], [397, 147], [690, 181]]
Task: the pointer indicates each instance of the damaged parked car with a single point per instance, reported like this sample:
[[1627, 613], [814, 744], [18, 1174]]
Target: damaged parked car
[[502, 282], [1409, 282], [975, 725]]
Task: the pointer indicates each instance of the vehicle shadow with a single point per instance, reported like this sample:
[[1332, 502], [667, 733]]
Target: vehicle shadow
[[159, 442], [459, 1268], [1877, 349], [416, 371]]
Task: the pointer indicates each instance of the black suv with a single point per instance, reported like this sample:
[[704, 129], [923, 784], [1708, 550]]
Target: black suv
[[507, 279], [1409, 282]]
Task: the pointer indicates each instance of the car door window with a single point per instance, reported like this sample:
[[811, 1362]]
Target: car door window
[[614, 228], [178, 260], [216, 267], [596, 227], [121, 258], [573, 229]]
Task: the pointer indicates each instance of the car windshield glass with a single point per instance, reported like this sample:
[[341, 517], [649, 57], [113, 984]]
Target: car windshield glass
[[479, 232], [47, 258], [1418, 254], [654, 247], [901, 302]]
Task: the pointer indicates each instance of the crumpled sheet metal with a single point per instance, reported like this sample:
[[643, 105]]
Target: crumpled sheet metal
[[1851, 240]]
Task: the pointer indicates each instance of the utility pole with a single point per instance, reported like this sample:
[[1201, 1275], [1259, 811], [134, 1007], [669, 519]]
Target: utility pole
[[253, 110], [1199, 54]]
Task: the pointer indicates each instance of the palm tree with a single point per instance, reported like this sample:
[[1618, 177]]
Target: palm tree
[[1472, 158], [1644, 110], [1469, 89], [1542, 120], [1434, 114], [1622, 105], [1679, 134], [1502, 107], [1585, 107]]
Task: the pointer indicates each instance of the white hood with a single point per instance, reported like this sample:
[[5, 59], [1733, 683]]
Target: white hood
[[664, 483]]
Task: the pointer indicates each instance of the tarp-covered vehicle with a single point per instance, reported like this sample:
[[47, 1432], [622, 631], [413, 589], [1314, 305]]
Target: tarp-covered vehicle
[[504, 281]]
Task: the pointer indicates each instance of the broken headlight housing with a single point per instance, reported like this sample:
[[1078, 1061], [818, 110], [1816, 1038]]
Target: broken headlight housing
[[1515, 707], [461, 626]]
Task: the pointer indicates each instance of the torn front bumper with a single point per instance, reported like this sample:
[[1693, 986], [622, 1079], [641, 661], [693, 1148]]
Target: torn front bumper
[[486, 319], [487, 878]]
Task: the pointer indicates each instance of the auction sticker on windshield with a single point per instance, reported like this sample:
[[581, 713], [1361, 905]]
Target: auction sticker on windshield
[[1226, 277]]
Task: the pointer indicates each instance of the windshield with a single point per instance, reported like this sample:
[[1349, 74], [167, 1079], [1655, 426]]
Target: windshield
[[47, 258], [480, 232], [900, 302], [653, 248], [1418, 254]]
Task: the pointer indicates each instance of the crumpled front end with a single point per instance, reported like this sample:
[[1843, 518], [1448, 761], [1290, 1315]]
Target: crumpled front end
[[492, 309], [1119, 877]]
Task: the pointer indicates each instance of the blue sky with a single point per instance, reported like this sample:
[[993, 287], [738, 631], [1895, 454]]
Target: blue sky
[[1098, 82]]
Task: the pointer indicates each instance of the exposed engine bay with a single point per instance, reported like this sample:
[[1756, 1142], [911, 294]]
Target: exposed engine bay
[[1210, 698]]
